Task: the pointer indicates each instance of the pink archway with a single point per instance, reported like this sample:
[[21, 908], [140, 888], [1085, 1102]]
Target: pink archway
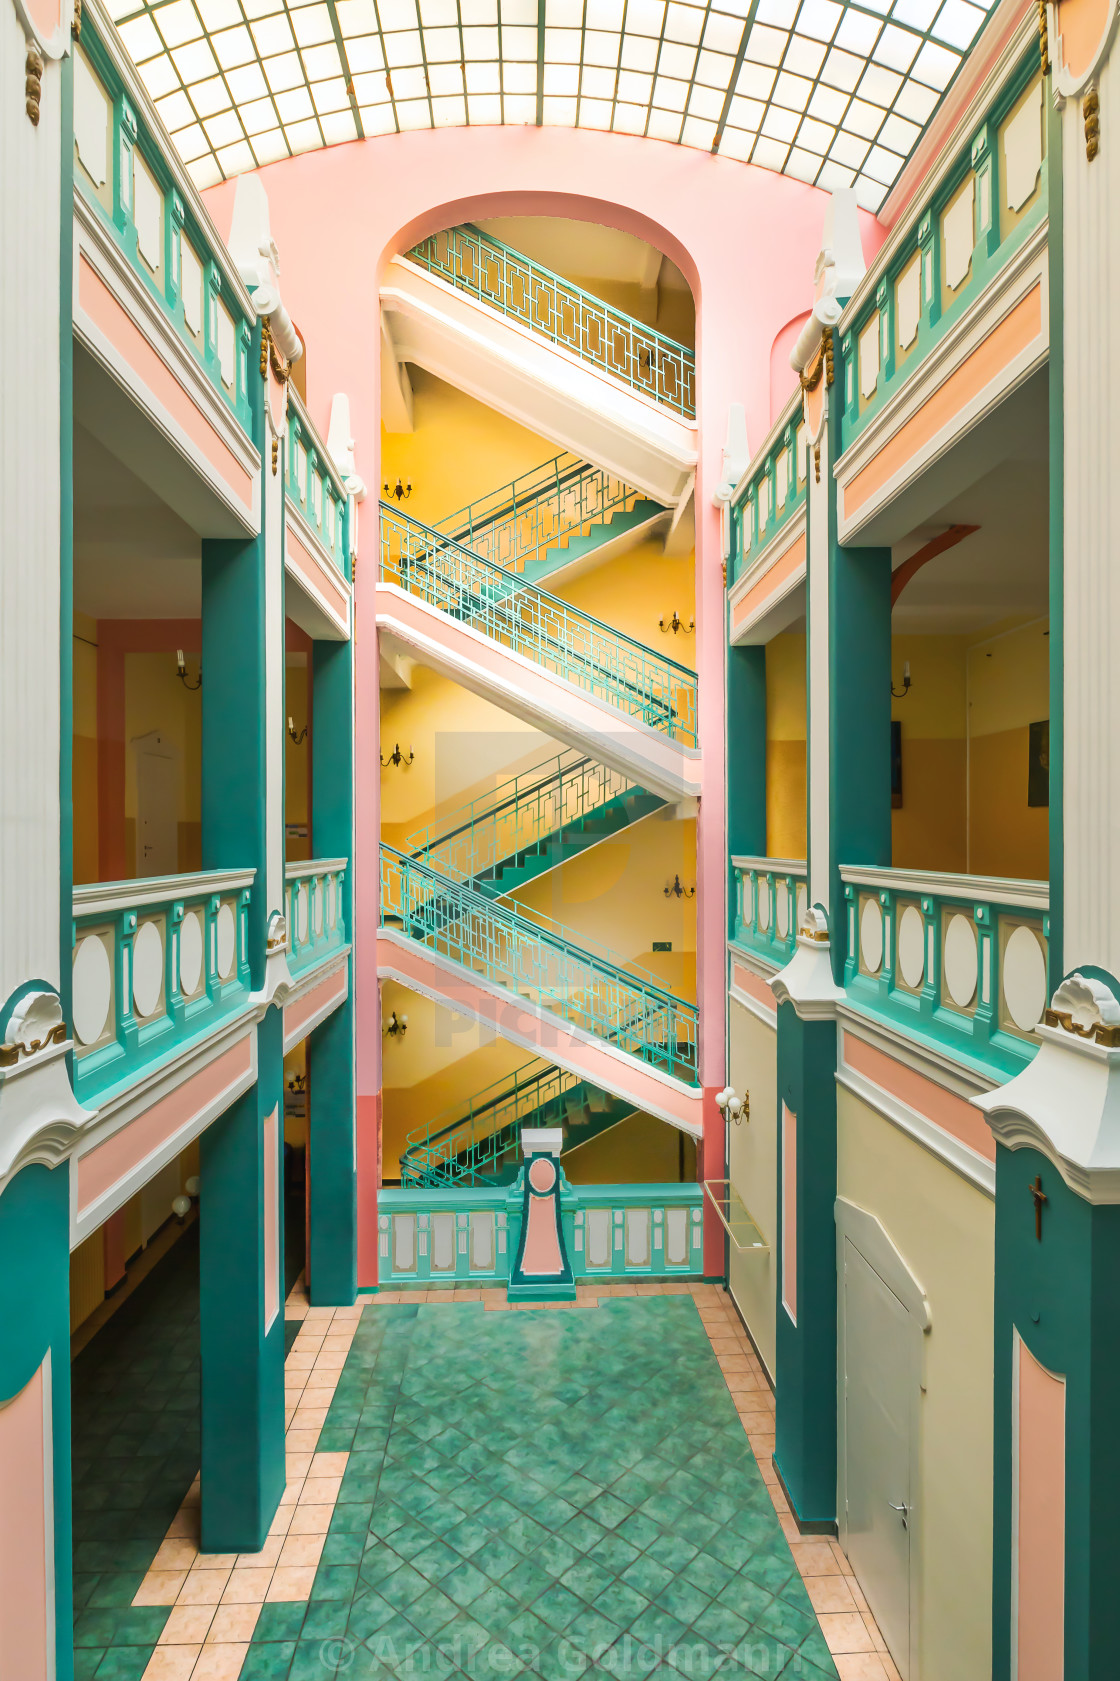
[[745, 239]]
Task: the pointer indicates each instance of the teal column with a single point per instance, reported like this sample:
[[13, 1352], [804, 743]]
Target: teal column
[[332, 1238], [849, 619], [1061, 1295], [746, 756], [35, 1324], [241, 1265], [241, 1241]]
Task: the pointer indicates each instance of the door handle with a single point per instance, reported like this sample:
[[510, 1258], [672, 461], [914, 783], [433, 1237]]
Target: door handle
[[904, 1509]]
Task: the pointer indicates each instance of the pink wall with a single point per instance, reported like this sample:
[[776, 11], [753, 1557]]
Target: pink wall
[[746, 240], [26, 1634]]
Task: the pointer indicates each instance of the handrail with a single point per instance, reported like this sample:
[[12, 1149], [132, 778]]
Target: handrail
[[539, 626], [518, 814], [434, 1150], [518, 523], [541, 961], [526, 291]]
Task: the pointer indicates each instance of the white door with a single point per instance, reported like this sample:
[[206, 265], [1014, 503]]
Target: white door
[[157, 808], [879, 1379]]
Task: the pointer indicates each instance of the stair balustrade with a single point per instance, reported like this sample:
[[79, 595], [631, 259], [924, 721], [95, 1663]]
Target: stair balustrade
[[563, 508], [541, 300], [530, 822], [541, 962], [538, 626]]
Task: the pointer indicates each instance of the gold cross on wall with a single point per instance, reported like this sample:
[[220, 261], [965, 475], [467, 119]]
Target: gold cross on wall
[[1039, 1196]]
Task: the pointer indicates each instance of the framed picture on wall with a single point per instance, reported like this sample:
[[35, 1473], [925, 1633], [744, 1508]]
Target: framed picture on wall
[[1038, 763], [896, 764]]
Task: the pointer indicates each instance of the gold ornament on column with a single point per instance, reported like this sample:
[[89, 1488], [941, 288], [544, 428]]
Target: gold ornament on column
[[76, 26], [1043, 38], [33, 85], [1091, 111]]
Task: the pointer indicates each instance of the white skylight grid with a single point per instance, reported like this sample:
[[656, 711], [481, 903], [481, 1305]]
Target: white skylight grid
[[833, 93]]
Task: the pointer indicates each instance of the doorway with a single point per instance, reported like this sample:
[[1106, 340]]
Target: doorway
[[157, 806], [882, 1314]]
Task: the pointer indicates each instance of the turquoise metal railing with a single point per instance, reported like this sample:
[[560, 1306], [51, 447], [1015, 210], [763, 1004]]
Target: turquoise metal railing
[[776, 491], [516, 525], [467, 1235], [538, 298], [538, 626], [313, 484], [157, 964], [519, 813], [770, 903], [587, 988], [315, 901], [959, 961], [128, 173], [457, 1151]]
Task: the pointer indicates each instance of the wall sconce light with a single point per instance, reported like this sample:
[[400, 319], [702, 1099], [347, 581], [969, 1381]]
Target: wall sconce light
[[296, 735], [396, 757], [675, 623], [397, 1026], [181, 671], [676, 890], [297, 1083], [401, 491], [900, 694], [732, 1106]]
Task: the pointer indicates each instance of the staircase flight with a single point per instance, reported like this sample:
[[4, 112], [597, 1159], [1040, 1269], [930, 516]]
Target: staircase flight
[[482, 1145], [540, 627], [553, 518]]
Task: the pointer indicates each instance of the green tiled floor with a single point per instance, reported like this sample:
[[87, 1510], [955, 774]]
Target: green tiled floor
[[564, 1493]]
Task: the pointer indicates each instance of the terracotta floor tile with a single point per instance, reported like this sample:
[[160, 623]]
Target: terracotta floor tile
[[329, 1464], [220, 1662], [311, 1520], [203, 1587], [815, 1558], [184, 1525], [172, 1663], [829, 1593], [846, 1632], [301, 1549], [282, 1522], [266, 1557], [856, 1592], [319, 1491], [232, 1623], [291, 1583], [247, 1587], [159, 1587], [872, 1628], [860, 1666], [187, 1625], [174, 1555]]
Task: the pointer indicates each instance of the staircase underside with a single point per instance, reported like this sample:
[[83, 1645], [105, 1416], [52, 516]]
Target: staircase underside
[[539, 1031], [548, 390], [583, 554], [558, 708]]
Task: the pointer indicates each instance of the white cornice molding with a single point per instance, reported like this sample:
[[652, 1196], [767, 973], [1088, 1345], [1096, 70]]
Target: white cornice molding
[[40, 1118], [107, 897], [932, 1064], [771, 866], [920, 1128], [1001, 890]]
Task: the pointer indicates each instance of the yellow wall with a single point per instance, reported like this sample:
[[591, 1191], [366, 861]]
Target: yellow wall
[[441, 1062], [632, 591], [640, 1150], [297, 759], [155, 699], [615, 893], [965, 728], [463, 746], [785, 747], [460, 449], [1009, 689], [944, 1228], [84, 774], [928, 830], [753, 1170]]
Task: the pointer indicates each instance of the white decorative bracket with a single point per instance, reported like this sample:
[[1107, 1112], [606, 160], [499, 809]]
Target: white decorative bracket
[[1066, 1103], [253, 250], [39, 1115], [806, 982], [278, 983], [340, 446]]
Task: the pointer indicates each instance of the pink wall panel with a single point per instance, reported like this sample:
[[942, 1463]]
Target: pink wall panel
[[1040, 1520], [789, 1212], [26, 1634]]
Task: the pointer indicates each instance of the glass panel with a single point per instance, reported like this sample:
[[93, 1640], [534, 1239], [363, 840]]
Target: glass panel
[[404, 1243], [443, 1242], [637, 1237], [676, 1237], [598, 1222], [482, 1241]]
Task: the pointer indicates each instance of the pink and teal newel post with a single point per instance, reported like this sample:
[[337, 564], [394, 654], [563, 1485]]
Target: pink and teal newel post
[[542, 1270]]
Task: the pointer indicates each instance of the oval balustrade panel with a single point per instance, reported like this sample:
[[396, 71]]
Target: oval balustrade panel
[[763, 905], [871, 936], [1024, 979], [147, 969], [958, 960], [227, 941], [912, 947], [190, 952], [93, 989]]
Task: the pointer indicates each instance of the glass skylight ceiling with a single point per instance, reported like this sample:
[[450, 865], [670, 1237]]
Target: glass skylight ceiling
[[835, 94]]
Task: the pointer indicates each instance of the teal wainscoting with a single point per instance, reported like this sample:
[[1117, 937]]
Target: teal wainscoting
[[316, 911]]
